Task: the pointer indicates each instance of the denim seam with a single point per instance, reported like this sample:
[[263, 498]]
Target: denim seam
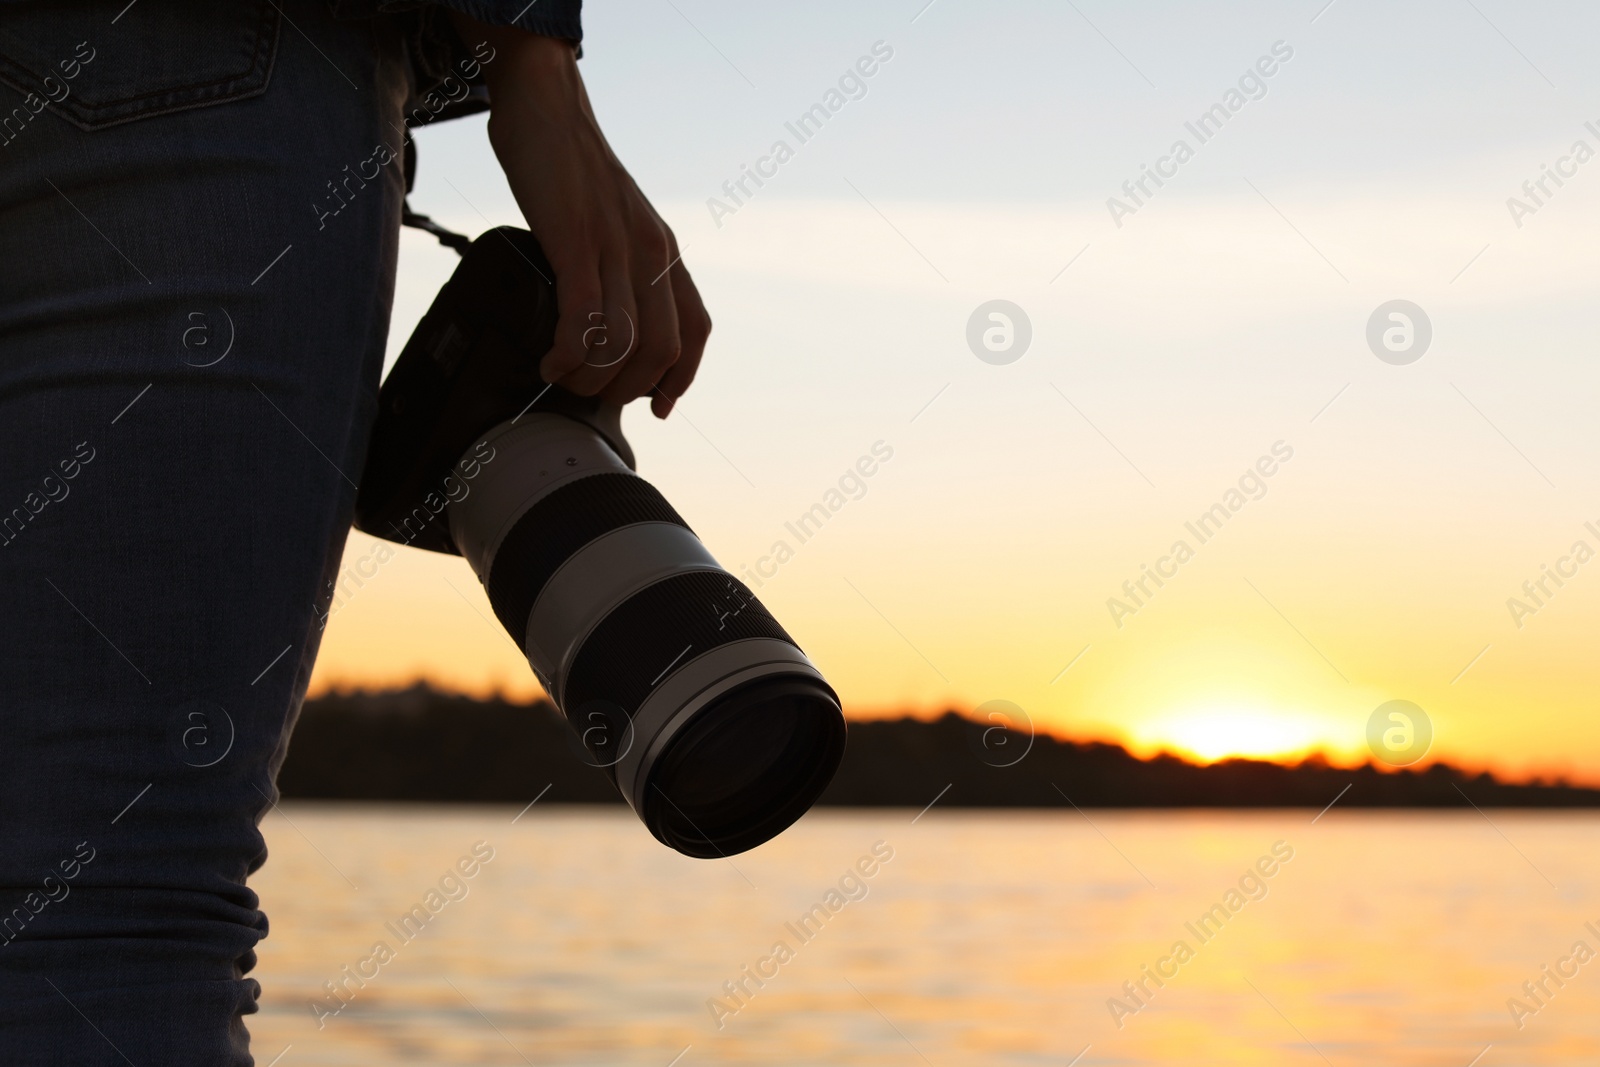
[[229, 87]]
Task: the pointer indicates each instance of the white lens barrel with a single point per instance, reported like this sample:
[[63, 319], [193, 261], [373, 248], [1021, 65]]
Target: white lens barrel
[[529, 458]]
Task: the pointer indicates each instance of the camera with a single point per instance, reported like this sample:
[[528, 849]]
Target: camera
[[678, 682]]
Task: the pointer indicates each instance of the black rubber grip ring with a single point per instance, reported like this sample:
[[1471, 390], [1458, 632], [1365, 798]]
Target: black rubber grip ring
[[660, 627], [557, 526]]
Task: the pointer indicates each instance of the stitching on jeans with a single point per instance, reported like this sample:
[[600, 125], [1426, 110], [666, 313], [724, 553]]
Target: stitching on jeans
[[263, 39], [258, 68]]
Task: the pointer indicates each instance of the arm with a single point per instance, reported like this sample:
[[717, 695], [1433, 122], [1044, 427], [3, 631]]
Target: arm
[[611, 252]]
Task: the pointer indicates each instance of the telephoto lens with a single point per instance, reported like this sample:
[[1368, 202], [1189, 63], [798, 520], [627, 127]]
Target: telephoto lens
[[713, 724]]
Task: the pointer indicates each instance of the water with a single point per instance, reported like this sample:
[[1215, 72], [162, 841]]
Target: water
[[994, 939]]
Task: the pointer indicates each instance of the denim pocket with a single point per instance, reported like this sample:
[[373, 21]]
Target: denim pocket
[[103, 62]]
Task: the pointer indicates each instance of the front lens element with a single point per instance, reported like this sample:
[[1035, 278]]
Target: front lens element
[[746, 767]]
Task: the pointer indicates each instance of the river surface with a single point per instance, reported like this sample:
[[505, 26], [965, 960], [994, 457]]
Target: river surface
[[951, 938]]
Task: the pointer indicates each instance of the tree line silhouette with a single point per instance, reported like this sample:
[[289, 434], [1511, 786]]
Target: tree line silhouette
[[422, 744]]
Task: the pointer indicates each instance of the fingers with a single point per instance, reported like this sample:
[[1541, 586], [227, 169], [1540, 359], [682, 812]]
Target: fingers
[[694, 327], [631, 321], [608, 333], [659, 342], [578, 295]]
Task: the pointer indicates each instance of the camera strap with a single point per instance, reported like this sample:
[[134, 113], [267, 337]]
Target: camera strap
[[448, 238]]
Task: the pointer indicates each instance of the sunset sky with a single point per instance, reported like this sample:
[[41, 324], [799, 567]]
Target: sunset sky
[[1225, 316]]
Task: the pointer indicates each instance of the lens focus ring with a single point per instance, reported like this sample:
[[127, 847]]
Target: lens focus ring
[[659, 629], [598, 578], [556, 527]]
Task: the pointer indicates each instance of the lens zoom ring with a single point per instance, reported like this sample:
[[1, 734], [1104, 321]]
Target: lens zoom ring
[[665, 625], [556, 527]]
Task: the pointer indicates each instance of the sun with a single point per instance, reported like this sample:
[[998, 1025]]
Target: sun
[[1209, 734]]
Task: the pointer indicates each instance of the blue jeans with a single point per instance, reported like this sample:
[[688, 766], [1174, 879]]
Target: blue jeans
[[199, 208]]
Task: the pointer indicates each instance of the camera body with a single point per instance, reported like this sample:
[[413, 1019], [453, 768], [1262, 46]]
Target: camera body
[[706, 714]]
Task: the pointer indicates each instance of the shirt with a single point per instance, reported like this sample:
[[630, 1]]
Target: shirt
[[449, 81]]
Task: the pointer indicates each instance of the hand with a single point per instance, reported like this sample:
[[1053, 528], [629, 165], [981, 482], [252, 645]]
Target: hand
[[617, 264]]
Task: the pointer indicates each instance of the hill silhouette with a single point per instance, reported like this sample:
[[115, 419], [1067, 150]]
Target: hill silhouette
[[421, 744]]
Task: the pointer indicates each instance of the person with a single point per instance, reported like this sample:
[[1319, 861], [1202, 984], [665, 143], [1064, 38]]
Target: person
[[199, 209]]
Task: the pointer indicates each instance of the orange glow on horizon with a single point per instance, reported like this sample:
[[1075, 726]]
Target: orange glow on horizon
[[1202, 737], [1214, 734]]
